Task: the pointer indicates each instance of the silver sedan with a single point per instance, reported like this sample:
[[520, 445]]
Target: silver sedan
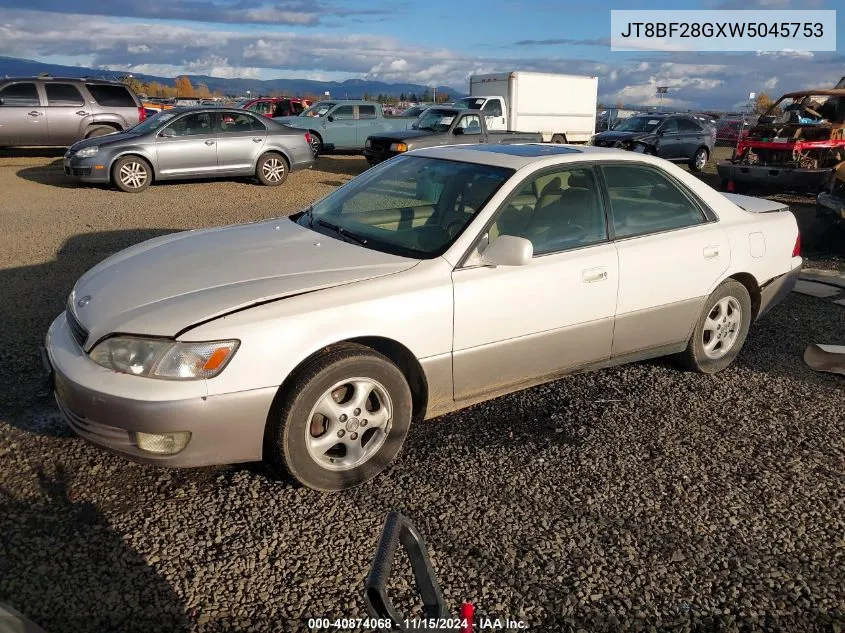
[[192, 142]]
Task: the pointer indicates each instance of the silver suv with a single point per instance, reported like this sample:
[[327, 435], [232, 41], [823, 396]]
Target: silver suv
[[58, 111]]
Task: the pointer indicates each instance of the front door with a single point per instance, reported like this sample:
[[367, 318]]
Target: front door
[[671, 256], [340, 128], [188, 146], [494, 115], [518, 323], [668, 141], [240, 140], [66, 112], [22, 119]]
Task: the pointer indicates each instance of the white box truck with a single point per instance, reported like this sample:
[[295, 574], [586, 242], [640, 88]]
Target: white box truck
[[560, 107]]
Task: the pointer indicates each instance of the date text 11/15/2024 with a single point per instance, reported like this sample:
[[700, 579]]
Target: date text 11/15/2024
[[363, 625]]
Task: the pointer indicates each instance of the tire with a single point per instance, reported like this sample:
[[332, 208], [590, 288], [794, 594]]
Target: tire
[[558, 139], [271, 169], [726, 316], [316, 144], [320, 404], [123, 170], [99, 130], [699, 159]]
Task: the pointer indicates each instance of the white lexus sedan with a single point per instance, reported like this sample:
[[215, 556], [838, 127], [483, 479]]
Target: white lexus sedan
[[441, 278]]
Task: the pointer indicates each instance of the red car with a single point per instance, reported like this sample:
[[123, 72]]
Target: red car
[[275, 106]]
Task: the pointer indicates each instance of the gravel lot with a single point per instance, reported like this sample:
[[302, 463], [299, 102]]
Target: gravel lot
[[640, 498]]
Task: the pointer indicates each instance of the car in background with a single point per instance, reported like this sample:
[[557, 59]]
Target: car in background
[[275, 106], [675, 137], [291, 339], [415, 110], [728, 130], [192, 142], [58, 111]]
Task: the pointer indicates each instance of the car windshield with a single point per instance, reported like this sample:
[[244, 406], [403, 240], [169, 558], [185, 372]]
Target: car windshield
[[318, 109], [152, 123], [808, 110], [637, 124], [409, 206], [469, 103], [436, 120]]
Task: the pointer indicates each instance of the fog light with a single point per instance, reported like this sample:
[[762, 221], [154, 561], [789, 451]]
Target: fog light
[[162, 443]]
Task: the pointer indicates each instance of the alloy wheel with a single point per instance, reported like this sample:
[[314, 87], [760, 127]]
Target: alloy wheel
[[273, 169], [133, 175], [721, 328]]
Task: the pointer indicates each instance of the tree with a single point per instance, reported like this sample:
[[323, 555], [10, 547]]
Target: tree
[[184, 87], [136, 85], [443, 97], [402, 97], [762, 103], [426, 96], [203, 92]]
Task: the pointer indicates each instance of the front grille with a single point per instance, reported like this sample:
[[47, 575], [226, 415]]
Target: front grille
[[77, 330]]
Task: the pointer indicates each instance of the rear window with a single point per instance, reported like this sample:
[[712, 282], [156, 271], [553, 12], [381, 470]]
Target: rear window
[[111, 96]]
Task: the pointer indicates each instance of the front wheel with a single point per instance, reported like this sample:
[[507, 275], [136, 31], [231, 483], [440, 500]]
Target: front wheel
[[132, 174], [721, 329], [342, 421], [699, 159]]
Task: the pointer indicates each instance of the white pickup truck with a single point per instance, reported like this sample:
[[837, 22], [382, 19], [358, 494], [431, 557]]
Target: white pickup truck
[[560, 107]]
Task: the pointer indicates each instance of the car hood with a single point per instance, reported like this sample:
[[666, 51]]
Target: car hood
[[108, 139], [165, 285], [404, 135], [614, 136]]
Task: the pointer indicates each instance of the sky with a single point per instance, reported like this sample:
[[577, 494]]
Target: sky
[[431, 42]]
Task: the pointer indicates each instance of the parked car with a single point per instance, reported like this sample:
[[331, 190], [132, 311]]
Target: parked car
[[795, 144], [275, 107], [58, 111], [678, 138], [191, 142], [436, 280], [415, 111], [344, 124], [441, 126]]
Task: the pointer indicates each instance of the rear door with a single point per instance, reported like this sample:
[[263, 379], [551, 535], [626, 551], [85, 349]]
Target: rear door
[[23, 120], [240, 140], [187, 146], [66, 112], [368, 123], [691, 135]]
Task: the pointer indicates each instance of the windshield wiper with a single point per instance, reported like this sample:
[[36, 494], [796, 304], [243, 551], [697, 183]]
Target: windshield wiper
[[349, 237]]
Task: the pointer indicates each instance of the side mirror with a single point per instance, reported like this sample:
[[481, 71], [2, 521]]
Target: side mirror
[[508, 250], [413, 126], [458, 131], [330, 118], [2, 101], [167, 133]]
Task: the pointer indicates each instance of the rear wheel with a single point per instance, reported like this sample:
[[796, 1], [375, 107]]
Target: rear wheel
[[316, 144], [721, 329], [132, 174], [699, 159], [558, 139], [99, 130], [271, 170], [342, 421]]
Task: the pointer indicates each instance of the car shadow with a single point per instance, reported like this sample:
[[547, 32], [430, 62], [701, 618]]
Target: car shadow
[[341, 164], [52, 174], [32, 296], [66, 569], [31, 152]]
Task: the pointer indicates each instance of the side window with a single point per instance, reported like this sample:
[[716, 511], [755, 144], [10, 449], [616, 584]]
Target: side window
[[261, 107], [642, 200], [232, 123], [192, 125], [343, 113], [470, 123], [296, 108], [63, 95], [565, 213], [492, 108], [20, 95], [670, 126], [111, 96], [685, 125], [366, 112]]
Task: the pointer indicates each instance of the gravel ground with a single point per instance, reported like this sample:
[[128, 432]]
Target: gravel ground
[[640, 498]]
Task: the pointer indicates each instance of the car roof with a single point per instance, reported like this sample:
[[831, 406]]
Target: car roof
[[518, 155], [88, 80]]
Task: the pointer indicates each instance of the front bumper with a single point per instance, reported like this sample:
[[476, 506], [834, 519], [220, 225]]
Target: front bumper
[[105, 408], [374, 157], [778, 288], [92, 170], [773, 176]]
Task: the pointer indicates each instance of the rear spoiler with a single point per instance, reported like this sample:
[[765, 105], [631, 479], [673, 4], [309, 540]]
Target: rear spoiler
[[756, 205]]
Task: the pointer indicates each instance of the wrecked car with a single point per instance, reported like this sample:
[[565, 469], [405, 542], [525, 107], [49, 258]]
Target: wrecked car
[[795, 145]]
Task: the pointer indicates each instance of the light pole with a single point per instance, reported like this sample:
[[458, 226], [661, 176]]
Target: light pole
[[662, 90]]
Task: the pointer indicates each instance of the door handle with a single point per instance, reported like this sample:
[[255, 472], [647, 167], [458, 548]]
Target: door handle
[[209, 142], [82, 112], [35, 113], [257, 140], [711, 252], [590, 275]]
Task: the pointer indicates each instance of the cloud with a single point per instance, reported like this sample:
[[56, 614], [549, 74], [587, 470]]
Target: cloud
[[269, 12], [601, 41], [740, 5]]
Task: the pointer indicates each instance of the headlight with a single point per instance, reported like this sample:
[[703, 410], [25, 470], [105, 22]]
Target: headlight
[[368, 143], [398, 147], [87, 152], [161, 358], [591, 141]]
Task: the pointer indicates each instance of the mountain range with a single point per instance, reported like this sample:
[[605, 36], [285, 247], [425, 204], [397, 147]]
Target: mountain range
[[351, 88]]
